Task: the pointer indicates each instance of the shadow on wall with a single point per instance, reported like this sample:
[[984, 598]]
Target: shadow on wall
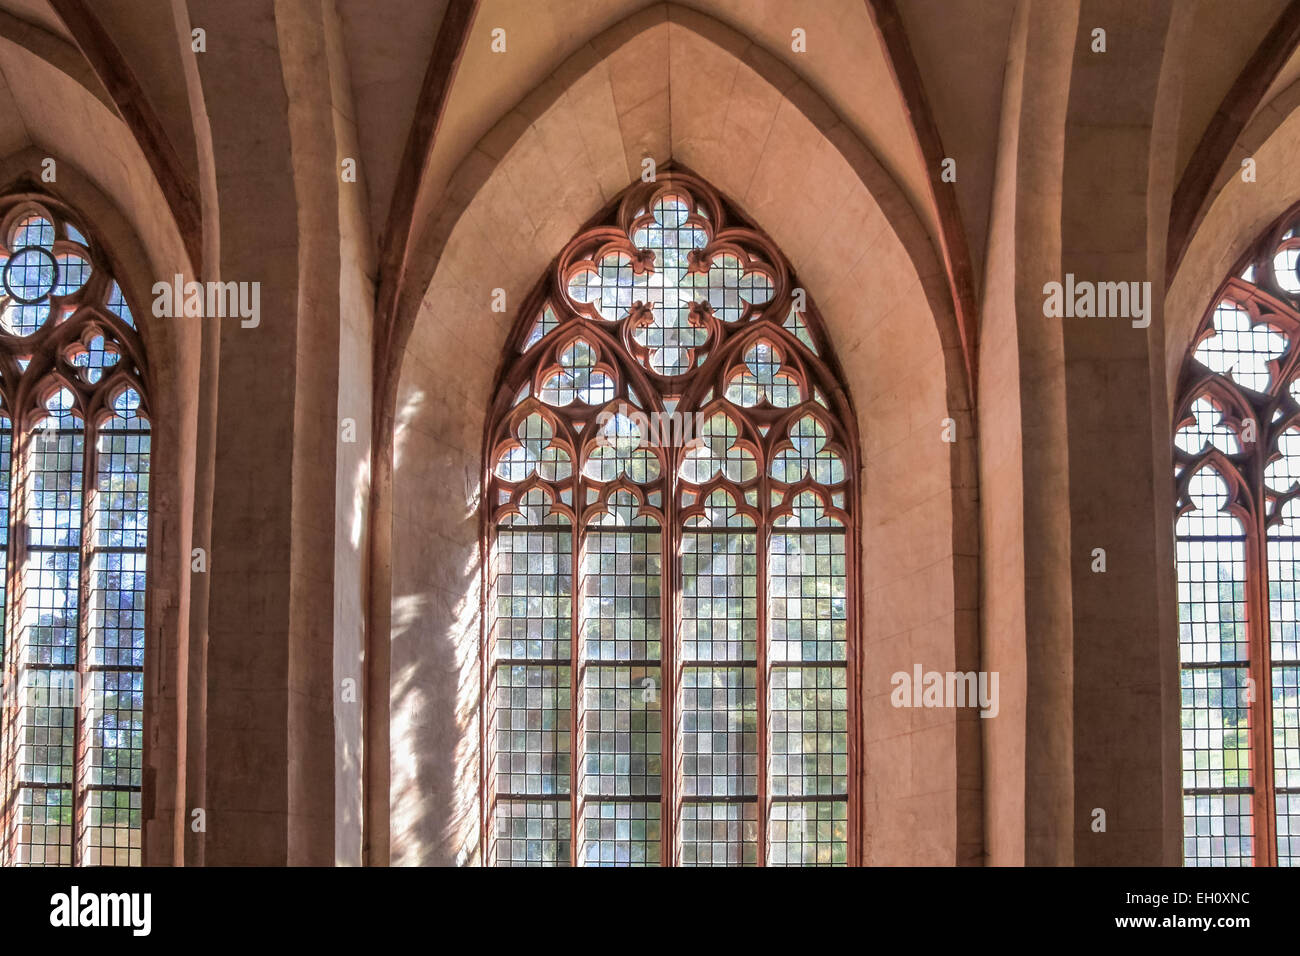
[[434, 690]]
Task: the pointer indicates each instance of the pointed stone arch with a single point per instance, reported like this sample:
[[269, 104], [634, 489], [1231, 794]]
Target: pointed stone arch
[[545, 170]]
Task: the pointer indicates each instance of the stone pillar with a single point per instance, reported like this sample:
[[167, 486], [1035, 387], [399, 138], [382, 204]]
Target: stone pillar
[[270, 687], [1120, 465]]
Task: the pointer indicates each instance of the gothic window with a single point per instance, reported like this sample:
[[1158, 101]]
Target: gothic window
[[74, 507], [669, 674], [1237, 467]]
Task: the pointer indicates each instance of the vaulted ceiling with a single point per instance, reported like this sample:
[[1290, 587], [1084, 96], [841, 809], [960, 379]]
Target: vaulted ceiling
[[957, 49]]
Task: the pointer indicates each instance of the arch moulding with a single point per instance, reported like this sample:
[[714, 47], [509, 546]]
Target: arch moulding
[[811, 185]]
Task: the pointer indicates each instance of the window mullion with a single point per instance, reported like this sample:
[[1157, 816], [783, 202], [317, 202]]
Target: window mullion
[[669, 607], [1258, 624], [616, 305], [80, 750], [762, 544], [22, 506], [852, 543], [577, 542], [8, 705]]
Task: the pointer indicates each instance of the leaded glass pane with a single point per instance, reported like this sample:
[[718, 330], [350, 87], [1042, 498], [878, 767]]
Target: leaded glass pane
[[707, 560]]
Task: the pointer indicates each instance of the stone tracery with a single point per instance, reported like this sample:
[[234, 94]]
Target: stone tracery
[[1237, 456], [74, 459], [671, 312]]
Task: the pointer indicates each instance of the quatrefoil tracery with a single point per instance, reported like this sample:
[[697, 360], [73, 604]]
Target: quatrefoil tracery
[[1243, 346], [667, 316], [92, 355], [1239, 416], [672, 281], [63, 318], [734, 363], [40, 263]]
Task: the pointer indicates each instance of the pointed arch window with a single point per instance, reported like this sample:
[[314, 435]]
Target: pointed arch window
[[668, 664], [1237, 472], [74, 510]]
